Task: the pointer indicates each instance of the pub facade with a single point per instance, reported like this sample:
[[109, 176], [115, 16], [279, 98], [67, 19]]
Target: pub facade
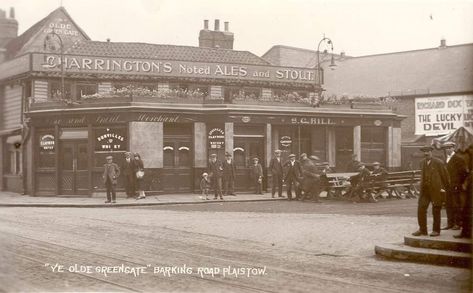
[[175, 105]]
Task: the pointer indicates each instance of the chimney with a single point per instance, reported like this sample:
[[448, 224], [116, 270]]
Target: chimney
[[8, 31], [216, 38], [206, 24], [443, 43], [108, 40], [342, 54]]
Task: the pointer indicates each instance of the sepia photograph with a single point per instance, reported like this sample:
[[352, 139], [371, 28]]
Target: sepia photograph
[[236, 146]]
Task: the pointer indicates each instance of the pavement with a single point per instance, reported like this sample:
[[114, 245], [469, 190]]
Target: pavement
[[11, 199]]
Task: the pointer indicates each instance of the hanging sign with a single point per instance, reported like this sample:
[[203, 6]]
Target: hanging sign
[[285, 141]]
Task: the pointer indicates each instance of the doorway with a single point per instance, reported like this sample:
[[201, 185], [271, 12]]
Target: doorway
[[177, 164], [74, 175], [245, 149]]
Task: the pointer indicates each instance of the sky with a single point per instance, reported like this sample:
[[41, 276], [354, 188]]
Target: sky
[[356, 27]]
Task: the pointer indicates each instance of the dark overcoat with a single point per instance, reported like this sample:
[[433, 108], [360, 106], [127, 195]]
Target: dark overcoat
[[439, 180], [310, 176]]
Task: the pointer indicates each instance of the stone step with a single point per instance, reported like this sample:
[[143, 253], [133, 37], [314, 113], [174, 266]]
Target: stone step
[[404, 252], [445, 241]]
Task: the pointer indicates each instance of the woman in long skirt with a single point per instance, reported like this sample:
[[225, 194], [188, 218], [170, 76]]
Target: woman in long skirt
[[140, 172]]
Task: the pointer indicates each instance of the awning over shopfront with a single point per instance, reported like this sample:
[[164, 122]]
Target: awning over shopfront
[[16, 130]]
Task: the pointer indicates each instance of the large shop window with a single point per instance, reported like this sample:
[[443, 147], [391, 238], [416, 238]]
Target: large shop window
[[55, 90], [47, 150], [110, 141], [13, 162], [373, 144]]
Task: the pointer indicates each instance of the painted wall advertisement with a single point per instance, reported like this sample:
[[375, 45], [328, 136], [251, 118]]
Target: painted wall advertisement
[[442, 115]]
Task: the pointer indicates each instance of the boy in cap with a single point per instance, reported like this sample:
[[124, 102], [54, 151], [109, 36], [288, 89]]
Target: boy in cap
[[229, 174], [434, 182], [110, 174], [256, 175], [205, 186]]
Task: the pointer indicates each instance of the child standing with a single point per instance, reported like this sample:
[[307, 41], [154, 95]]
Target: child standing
[[205, 186]]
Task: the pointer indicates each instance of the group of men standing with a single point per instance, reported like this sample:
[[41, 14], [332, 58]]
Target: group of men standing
[[448, 182], [222, 175], [303, 177]]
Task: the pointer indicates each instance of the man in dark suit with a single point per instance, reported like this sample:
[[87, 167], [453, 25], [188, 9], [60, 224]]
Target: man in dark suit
[[275, 168], [434, 182], [110, 174], [457, 170], [229, 174], [129, 172], [292, 174], [215, 169], [467, 209]]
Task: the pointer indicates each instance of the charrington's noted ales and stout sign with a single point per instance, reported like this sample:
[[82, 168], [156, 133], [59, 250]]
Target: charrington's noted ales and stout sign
[[171, 68]]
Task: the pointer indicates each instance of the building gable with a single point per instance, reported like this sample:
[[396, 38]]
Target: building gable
[[33, 40]]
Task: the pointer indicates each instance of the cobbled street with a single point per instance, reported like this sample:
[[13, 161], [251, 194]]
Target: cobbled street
[[248, 247]]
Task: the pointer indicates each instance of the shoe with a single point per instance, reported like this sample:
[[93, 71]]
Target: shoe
[[447, 227], [456, 227], [141, 197], [114, 201], [232, 194], [221, 198], [207, 198], [107, 201], [434, 234], [419, 233], [215, 198]]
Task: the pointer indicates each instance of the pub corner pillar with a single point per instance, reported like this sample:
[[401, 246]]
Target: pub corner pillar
[[394, 148], [269, 153], [357, 142], [229, 137], [331, 147], [29, 164], [200, 153], [146, 138], [2, 161]]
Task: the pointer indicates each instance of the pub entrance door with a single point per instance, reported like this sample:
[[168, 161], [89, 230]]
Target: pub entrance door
[[177, 169], [74, 175], [245, 149]]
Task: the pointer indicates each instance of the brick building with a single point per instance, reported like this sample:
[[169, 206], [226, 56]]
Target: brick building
[[66, 107]]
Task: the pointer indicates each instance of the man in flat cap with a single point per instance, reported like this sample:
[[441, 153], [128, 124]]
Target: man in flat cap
[[229, 174], [457, 171], [256, 175], [292, 174], [379, 175], [110, 174], [434, 182], [276, 170], [215, 171]]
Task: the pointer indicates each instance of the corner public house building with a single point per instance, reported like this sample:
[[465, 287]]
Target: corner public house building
[[67, 102]]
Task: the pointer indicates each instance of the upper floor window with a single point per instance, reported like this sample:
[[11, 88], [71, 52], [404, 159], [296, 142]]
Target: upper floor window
[[55, 90], [85, 89]]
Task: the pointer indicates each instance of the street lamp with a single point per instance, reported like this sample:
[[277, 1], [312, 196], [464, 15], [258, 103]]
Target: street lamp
[[48, 43], [319, 70]]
